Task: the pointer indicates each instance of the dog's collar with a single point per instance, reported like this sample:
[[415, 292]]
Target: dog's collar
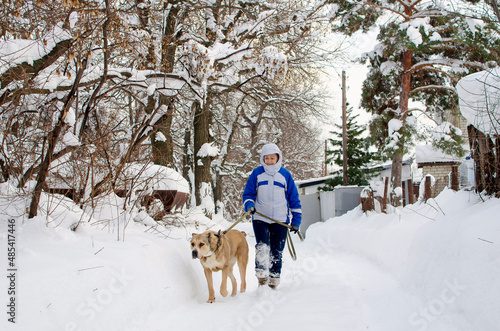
[[219, 236]]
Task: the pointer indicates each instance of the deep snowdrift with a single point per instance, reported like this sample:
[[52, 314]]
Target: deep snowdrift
[[445, 251]]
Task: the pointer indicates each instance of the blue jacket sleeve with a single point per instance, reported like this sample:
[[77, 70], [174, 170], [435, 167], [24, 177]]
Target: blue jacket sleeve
[[294, 202], [250, 192]]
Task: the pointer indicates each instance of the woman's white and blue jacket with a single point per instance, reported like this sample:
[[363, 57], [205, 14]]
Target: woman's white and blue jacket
[[272, 191]]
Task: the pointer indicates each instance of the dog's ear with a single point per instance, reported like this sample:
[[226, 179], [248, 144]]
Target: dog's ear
[[194, 234], [212, 240]]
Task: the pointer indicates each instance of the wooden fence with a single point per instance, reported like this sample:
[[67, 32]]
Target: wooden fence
[[486, 156], [410, 194]]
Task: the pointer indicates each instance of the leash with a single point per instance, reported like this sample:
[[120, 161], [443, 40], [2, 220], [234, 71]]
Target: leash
[[220, 235], [289, 242], [280, 223], [291, 248], [234, 224]]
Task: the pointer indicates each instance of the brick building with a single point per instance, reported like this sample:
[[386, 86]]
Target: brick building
[[438, 164]]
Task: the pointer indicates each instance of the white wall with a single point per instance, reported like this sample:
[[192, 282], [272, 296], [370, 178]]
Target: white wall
[[321, 206]]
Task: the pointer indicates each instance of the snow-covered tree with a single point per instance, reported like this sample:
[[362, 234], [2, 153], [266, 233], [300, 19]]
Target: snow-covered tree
[[246, 50], [424, 49], [71, 74], [86, 87]]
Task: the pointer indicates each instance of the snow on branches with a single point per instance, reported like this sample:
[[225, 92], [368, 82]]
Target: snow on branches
[[272, 63]]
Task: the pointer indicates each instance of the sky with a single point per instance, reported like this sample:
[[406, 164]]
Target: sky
[[355, 75]]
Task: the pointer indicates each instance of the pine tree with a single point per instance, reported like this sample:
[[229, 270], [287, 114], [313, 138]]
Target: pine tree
[[359, 156], [424, 49]]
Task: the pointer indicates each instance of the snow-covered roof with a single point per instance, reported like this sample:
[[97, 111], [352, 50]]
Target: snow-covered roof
[[431, 154], [157, 177], [407, 160], [479, 99], [312, 181]]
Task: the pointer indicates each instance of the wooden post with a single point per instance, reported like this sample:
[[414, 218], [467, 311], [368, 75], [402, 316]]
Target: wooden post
[[454, 177], [409, 185], [490, 163], [471, 132], [384, 200], [367, 202], [427, 188], [403, 187]]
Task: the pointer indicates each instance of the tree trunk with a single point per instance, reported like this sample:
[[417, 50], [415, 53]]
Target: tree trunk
[[187, 159], [397, 160], [201, 125], [218, 189], [163, 149], [397, 166], [254, 131]]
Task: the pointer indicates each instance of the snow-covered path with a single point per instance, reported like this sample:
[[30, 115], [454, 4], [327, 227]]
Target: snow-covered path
[[322, 290]]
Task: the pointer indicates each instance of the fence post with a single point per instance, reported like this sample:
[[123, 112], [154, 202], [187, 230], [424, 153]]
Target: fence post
[[403, 186], [367, 202], [454, 177], [384, 200], [409, 185], [427, 188]]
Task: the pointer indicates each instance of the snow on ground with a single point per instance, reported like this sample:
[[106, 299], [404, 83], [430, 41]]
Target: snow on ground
[[431, 266]]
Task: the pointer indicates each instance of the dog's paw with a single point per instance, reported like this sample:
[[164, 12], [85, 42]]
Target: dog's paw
[[210, 300], [223, 292]]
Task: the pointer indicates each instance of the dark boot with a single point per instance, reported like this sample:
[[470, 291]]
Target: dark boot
[[262, 280], [274, 282]]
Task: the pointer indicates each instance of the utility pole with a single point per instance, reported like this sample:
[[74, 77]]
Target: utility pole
[[326, 158], [344, 129]]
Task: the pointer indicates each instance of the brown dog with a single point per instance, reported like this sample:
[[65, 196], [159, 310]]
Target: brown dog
[[219, 251]]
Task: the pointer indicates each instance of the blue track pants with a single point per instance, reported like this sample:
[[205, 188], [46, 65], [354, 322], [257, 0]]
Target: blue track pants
[[271, 239]]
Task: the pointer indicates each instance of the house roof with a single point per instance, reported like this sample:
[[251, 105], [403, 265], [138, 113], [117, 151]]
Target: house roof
[[407, 160], [430, 154], [479, 100], [312, 181]]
